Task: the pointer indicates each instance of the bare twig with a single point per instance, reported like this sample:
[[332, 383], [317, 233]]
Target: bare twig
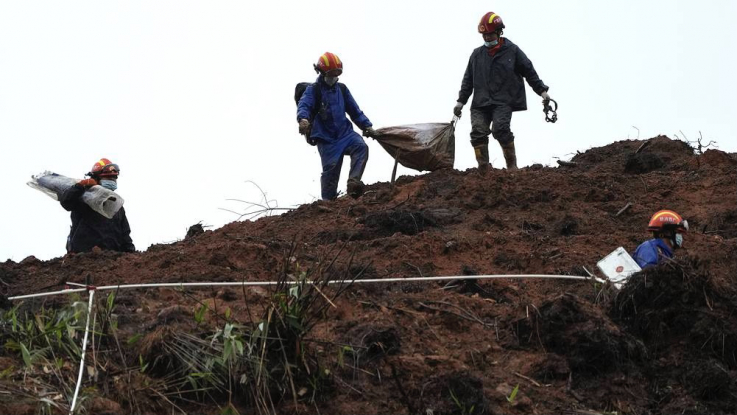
[[265, 206], [533, 381], [643, 146], [286, 361], [167, 400], [627, 206], [415, 267], [700, 147], [467, 315], [254, 213], [567, 163], [401, 389], [349, 386], [324, 296], [643, 183], [400, 203], [638, 132]]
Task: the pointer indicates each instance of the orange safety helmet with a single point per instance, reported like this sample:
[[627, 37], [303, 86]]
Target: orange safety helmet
[[329, 62], [667, 220], [491, 23], [104, 168]]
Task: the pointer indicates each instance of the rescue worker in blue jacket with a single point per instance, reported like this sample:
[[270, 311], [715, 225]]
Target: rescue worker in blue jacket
[[494, 76], [89, 228], [321, 113], [668, 228]]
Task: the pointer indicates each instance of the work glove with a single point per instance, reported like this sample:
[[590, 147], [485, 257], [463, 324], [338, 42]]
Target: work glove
[[545, 96], [457, 109], [304, 126], [88, 182], [370, 132]]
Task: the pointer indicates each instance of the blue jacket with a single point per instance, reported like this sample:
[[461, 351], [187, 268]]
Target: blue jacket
[[331, 124], [651, 253]]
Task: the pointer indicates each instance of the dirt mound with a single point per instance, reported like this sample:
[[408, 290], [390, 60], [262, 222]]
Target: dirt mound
[[453, 394], [716, 158], [581, 332], [676, 303], [637, 156], [643, 163], [687, 318], [370, 342], [665, 344], [387, 223]]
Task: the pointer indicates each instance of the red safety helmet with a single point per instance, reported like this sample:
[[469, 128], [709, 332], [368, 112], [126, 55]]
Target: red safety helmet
[[329, 62], [491, 23], [104, 168], [667, 220]]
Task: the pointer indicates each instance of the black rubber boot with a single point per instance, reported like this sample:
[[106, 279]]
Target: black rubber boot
[[355, 188], [482, 156], [510, 155]]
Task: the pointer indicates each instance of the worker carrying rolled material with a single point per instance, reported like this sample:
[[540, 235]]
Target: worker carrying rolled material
[[97, 213]]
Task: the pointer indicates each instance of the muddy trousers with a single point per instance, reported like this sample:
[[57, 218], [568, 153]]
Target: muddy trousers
[[331, 154], [495, 120]]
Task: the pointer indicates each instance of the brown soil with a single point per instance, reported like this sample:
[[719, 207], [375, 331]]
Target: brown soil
[[665, 343]]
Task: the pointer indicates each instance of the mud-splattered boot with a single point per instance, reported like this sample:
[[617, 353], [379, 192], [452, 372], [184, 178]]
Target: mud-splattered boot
[[482, 157], [355, 188], [510, 156]]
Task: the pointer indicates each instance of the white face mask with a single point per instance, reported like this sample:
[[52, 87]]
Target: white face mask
[[331, 80], [679, 240], [109, 184], [491, 44]]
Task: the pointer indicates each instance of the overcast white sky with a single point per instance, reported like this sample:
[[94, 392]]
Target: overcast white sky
[[192, 99]]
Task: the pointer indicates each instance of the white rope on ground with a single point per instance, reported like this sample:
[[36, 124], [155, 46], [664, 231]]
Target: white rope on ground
[[92, 290], [84, 349], [271, 283], [47, 294]]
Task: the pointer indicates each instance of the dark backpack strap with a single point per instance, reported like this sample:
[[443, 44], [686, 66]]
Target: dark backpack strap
[[318, 94], [299, 90]]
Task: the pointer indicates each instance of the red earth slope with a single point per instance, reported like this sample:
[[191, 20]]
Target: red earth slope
[[665, 343]]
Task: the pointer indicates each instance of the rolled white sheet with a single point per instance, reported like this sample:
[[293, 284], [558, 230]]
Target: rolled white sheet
[[101, 200]]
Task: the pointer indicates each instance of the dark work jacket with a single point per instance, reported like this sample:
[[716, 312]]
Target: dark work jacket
[[497, 80], [90, 229]]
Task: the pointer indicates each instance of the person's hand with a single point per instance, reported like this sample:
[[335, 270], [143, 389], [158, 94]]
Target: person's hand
[[88, 182], [370, 132], [304, 126], [545, 96], [457, 109]]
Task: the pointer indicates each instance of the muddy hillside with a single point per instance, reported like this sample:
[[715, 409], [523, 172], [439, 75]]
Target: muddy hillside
[[666, 342]]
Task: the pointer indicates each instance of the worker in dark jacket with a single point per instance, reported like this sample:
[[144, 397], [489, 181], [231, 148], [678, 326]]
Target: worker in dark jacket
[[321, 113], [494, 76], [89, 228], [668, 228]]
